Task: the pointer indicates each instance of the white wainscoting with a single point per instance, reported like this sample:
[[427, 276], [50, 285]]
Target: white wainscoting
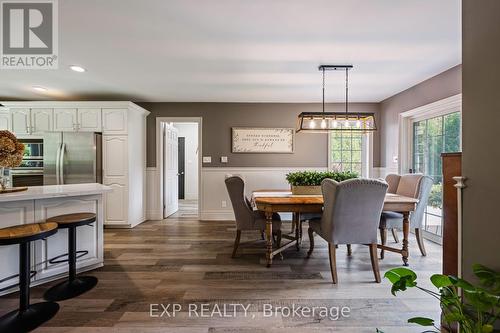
[[214, 189]]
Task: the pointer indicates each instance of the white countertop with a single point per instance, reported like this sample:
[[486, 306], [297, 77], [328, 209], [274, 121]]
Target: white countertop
[[55, 191]]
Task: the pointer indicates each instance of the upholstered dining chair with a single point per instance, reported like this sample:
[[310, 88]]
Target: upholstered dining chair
[[246, 217], [392, 180], [415, 186], [351, 215]]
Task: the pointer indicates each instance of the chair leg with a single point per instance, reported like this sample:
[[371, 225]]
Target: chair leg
[[420, 241], [278, 238], [374, 259], [293, 225], [383, 238], [349, 250], [262, 235], [333, 262], [395, 235], [310, 231], [236, 242]]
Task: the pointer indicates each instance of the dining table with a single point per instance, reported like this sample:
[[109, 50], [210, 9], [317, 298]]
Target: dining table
[[283, 201]]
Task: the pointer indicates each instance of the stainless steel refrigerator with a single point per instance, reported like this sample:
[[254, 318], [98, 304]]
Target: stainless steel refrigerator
[[72, 158]]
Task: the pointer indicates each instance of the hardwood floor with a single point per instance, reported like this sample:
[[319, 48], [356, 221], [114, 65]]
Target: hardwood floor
[[182, 261]]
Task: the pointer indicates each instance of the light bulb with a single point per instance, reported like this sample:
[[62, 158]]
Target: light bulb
[[335, 124], [358, 124], [312, 124], [346, 123], [323, 123]]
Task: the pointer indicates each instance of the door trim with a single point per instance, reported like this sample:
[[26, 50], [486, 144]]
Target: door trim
[[159, 159]]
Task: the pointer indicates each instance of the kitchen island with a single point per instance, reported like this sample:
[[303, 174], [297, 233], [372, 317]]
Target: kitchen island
[[36, 205]]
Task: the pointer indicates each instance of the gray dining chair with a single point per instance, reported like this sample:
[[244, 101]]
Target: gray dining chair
[[351, 215], [246, 217], [392, 180], [415, 186]]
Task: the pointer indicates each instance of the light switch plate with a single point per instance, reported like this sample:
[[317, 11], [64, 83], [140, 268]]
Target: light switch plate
[[207, 159], [223, 159]]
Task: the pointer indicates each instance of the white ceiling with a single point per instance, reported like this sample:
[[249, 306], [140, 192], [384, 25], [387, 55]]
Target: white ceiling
[[243, 50]]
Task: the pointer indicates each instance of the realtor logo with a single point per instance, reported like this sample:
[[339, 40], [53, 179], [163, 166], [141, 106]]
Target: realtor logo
[[29, 34]]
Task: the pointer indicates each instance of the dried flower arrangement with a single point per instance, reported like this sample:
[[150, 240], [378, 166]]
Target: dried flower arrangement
[[11, 153]]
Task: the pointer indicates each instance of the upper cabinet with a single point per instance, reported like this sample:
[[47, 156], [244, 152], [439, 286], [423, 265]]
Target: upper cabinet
[[4, 119], [41, 121], [114, 121], [26, 121], [65, 120], [89, 120]]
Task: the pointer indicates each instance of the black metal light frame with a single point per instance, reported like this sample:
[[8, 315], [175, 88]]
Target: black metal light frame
[[336, 121]]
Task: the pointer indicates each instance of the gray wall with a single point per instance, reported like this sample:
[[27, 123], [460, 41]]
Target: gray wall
[[438, 87], [218, 118], [481, 119]]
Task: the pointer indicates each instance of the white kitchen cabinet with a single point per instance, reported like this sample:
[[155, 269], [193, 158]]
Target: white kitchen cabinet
[[114, 121], [4, 119], [89, 120], [41, 121], [20, 121], [116, 205], [123, 125], [87, 237], [65, 120], [13, 213]]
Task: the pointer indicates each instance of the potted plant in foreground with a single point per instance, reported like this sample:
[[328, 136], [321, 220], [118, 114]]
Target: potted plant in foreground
[[477, 311], [309, 182]]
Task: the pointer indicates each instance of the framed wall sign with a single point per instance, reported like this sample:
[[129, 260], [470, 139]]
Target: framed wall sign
[[262, 140]]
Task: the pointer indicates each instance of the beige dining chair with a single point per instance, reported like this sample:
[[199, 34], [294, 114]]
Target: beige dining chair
[[414, 186], [351, 215], [246, 217], [392, 180]]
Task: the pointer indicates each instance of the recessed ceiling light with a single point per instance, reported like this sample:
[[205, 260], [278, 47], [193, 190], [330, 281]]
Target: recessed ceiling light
[[39, 89], [76, 68]]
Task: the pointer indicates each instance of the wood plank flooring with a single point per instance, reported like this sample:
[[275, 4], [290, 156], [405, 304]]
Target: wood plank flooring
[[183, 261]]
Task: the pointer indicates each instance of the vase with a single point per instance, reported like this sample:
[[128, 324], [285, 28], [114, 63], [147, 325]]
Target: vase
[[306, 190], [4, 179]]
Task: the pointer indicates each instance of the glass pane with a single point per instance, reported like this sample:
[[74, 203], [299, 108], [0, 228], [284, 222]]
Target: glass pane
[[346, 156], [336, 156], [435, 126], [356, 144]]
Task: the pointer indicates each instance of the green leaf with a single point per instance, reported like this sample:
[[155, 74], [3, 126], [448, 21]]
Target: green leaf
[[440, 281], [461, 283], [488, 277], [397, 273], [422, 321]]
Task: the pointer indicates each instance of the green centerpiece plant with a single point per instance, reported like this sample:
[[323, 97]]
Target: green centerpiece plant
[[309, 182]]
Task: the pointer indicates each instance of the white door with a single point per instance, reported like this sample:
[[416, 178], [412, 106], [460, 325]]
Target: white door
[[65, 120], [41, 120], [170, 181], [4, 120]]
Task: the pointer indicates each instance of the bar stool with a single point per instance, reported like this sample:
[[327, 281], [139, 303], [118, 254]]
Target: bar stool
[[74, 286], [28, 316]]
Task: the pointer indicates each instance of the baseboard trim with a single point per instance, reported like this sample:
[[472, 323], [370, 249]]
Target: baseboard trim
[[216, 215]]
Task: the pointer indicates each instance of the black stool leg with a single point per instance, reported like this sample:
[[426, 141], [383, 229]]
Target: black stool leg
[[74, 286], [28, 317]]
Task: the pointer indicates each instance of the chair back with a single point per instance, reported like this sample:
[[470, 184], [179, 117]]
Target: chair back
[[409, 184], [392, 180], [242, 209], [352, 210], [424, 192]]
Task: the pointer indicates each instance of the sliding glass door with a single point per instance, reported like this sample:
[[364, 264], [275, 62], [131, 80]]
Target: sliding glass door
[[431, 137]]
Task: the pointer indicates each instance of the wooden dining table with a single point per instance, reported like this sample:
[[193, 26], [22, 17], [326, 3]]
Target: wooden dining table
[[283, 201]]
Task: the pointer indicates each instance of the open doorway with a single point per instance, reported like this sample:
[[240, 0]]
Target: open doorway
[[181, 168]]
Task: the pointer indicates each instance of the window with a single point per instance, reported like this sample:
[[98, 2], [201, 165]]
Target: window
[[431, 137], [348, 151]]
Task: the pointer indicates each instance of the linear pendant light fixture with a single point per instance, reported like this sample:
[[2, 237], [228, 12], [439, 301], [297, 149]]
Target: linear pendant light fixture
[[321, 122]]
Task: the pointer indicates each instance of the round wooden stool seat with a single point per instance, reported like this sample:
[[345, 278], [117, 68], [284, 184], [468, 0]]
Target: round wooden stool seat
[[73, 220], [26, 232]]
